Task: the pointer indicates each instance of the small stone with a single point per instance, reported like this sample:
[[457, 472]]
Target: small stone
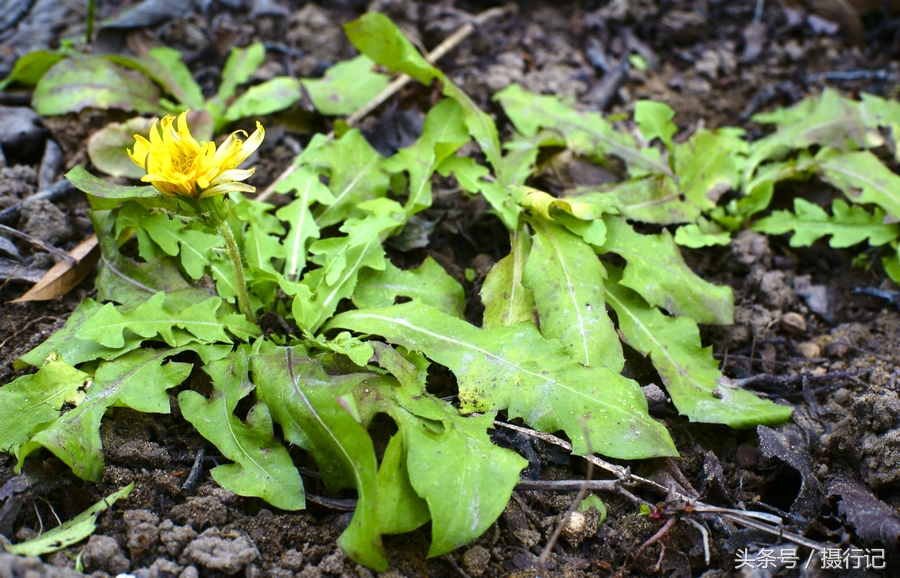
[[332, 564], [574, 526], [292, 560], [222, 553], [103, 553], [475, 560], [793, 323], [809, 349]]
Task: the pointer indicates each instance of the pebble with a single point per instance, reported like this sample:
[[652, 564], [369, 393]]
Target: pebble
[[809, 349], [793, 323]]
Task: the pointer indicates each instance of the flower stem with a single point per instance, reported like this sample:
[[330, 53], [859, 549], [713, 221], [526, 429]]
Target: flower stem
[[234, 253]]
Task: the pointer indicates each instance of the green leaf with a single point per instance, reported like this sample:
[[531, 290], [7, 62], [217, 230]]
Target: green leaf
[[429, 284], [151, 319], [241, 64], [138, 380], [262, 467], [400, 509], [271, 96], [657, 271], [358, 351], [892, 266], [342, 259], [346, 86], [689, 371], [71, 532], [443, 134], [506, 300], [29, 69], [587, 133], [172, 73], [701, 234], [107, 148], [566, 278], [847, 226], [515, 368], [88, 183], [31, 401], [127, 282], [74, 350], [192, 245], [830, 120], [465, 479], [314, 411], [862, 177], [74, 84], [654, 119], [880, 112], [708, 165], [356, 175], [377, 37], [653, 199], [308, 190]]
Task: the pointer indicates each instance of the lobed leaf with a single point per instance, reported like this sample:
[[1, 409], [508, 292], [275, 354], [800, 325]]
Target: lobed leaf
[[138, 380], [514, 368], [847, 226], [271, 96], [314, 410], [658, 273], [429, 284], [32, 401], [689, 371], [862, 177], [262, 467], [654, 119], [308, 189], [241, 64]]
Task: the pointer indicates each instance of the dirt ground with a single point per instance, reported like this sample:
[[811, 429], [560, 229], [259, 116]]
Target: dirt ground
[[716, 62]]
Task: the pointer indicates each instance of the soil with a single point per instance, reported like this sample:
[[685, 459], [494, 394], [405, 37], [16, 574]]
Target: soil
[[715, 62]]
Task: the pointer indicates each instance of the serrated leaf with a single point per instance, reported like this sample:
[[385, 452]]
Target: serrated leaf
[[358, 351], [312, 408], [465, 479], [465, 170], [356, 175], [74, 84], [688, 370], [566, 278], [653, 199], [880, 112], [32, 401], [429, 284], [377, 37], [262, 467], [586, 133], [709, 164], [308, 189], [71, 532], [241, 64], [657, 271], [346, 86], [862, 177], [506, 300], [891, 266], [830, 120], [654, 119], [75, 351], [138, 380], [695, 236], [152, 319], [130, 283], [514, 368], [271, 96], [193, 246], [847, 226], [442, 135]]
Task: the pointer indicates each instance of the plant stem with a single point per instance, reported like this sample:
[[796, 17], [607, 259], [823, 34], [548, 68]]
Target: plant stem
[[89, 23], [234, 253]]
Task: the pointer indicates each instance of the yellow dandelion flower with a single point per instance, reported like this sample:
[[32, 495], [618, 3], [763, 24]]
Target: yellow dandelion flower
[[178, 165]]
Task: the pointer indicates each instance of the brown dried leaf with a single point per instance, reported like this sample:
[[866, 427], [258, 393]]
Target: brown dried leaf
[[874, 520], [65, 275]]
